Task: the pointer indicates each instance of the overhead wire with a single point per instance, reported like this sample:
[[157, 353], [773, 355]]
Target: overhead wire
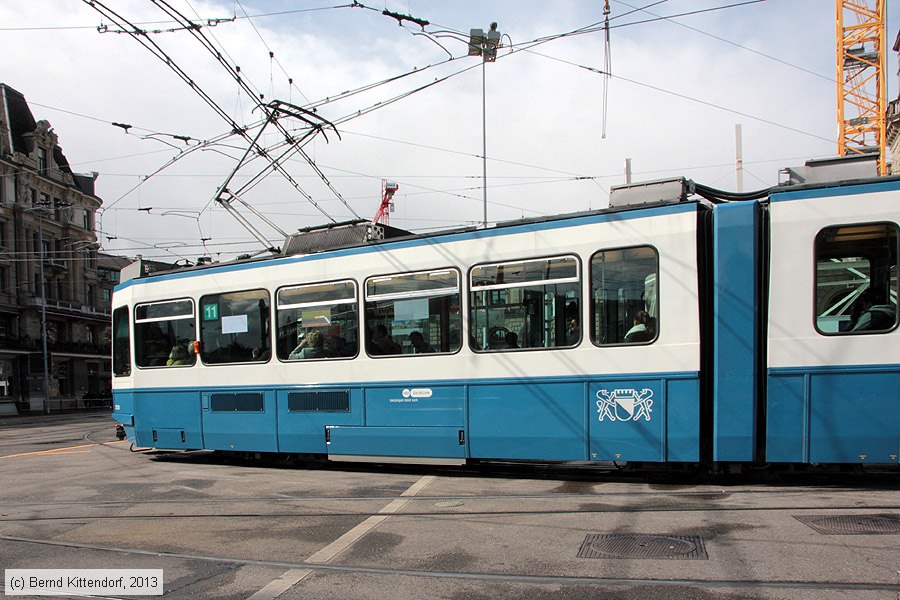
[[315, 127], [672, 20], [683, 96], [358, 113], [272, 57], [157, 51]]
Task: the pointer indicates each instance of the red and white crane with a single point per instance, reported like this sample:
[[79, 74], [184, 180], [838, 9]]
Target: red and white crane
[[388, 189]]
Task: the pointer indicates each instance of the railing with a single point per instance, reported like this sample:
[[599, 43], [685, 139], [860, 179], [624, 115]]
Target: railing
[[73, 306], [34, 345]]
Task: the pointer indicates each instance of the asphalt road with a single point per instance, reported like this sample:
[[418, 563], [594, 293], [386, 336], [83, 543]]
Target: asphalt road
[[71, 496]]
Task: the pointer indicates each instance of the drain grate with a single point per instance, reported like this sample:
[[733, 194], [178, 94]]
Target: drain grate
[[638, 545], [851, 524]]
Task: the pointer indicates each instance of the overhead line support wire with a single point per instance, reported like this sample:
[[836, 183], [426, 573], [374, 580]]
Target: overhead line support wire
[[272, 106], [727, 41], [679, 95], [159, 53]]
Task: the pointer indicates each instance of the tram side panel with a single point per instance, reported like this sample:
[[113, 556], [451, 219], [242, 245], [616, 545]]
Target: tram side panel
[[833, 364], [601, 397], [608, 398]]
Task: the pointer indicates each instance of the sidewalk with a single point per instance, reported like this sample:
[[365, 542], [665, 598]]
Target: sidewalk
[[31, 418]]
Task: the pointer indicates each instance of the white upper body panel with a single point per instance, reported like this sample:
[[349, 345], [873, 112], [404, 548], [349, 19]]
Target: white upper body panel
[[676, 349], [792, 337]]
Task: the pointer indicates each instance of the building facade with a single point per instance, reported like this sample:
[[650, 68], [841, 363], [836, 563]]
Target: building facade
[[53, 287], [892, 122]]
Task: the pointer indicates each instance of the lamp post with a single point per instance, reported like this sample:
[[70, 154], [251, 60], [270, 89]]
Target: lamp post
[[40, 213], [484, 45]]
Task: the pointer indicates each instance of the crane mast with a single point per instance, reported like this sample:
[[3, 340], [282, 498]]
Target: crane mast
[[861, 85]]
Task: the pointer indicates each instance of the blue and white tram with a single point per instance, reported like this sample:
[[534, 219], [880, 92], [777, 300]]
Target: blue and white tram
[[672, 332]]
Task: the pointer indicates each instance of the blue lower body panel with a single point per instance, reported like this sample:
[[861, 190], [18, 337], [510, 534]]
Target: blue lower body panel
[[653, 418], [123, 412], [528, 421], [425, 442], [240, 420], [645, 420], [834, 415], [301, 429], [168, 413]]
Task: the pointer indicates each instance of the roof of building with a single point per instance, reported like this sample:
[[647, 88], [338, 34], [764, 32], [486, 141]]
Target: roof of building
[[21, 121], [22, 124], [113, 262]]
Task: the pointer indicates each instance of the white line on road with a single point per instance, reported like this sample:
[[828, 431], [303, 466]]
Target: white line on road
[[290, 578]]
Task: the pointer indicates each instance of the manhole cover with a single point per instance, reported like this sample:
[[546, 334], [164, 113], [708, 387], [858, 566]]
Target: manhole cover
[[684, 547], [448, 504], [851, 524]]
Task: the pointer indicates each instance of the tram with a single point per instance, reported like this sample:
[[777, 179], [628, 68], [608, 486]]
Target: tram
[[680, 327]]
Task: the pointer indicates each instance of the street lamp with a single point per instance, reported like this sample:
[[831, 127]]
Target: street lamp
[[40, 210], [485, 46]]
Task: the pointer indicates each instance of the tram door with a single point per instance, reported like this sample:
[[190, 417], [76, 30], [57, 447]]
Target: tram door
[[234, 334]]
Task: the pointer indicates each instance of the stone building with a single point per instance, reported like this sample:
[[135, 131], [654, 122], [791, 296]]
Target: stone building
[[49, 270], [892, 122]]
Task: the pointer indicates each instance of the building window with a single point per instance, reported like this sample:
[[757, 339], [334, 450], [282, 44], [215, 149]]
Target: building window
[[4, 283], [3, 234], [45, 200], [106, 295], [32, 196], [164, 334], [525, 304], [234, 327], [317, 321], [88, 220], [856, 279], [625, 296], [89, 295], [42, 161], [55, 332]]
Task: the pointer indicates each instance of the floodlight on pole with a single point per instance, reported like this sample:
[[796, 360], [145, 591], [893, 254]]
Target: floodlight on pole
[[484, 45]]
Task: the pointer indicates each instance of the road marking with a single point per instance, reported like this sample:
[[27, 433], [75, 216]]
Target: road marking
[[291, 578], [61, 450]]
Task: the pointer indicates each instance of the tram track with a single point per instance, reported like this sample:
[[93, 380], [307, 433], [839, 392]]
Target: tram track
[[749, 583], [454, 514], [475, 498]]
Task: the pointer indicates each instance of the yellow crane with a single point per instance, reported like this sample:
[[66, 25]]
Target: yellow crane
[[861, 84]]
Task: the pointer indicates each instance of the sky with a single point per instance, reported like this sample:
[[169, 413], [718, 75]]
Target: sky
[[678, 87]]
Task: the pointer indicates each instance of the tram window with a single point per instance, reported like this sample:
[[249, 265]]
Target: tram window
[[317, 321], [413, 313], [625, 296], [121, 349], [525, 304], [164, 334], [856, 279], [234, 327]]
